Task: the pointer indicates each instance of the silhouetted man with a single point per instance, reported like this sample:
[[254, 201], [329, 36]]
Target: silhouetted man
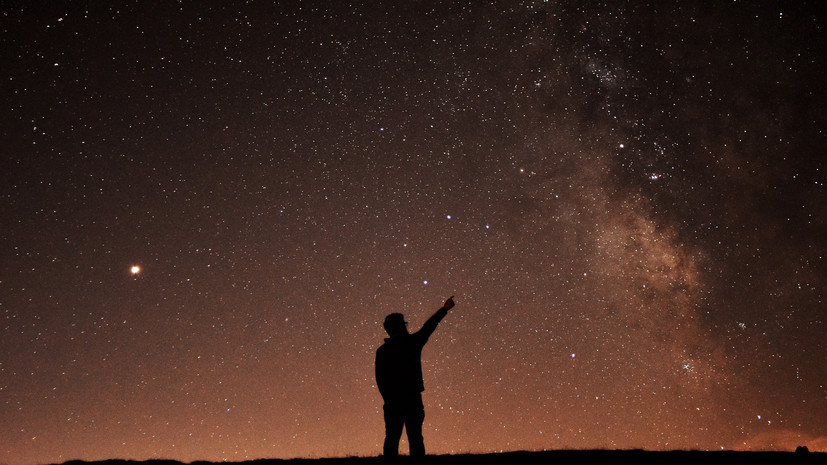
[[399, 378]]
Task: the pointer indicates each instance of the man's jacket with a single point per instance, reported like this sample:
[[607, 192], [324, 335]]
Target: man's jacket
[[399, 361]]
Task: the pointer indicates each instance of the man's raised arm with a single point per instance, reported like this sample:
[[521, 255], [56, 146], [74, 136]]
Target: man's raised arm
[[430, 325]]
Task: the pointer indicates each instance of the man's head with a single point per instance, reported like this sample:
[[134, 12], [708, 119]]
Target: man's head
[[395, 324]]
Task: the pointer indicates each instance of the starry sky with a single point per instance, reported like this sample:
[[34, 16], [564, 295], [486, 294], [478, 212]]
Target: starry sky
[[208, 208]]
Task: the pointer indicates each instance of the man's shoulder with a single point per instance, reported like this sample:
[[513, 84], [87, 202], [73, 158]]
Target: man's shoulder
[[396, 343], [385, 345]]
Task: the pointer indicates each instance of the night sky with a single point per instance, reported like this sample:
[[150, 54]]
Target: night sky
[[627, 200]]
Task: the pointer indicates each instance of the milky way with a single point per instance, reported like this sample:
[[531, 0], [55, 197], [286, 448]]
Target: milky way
[[209, 210]]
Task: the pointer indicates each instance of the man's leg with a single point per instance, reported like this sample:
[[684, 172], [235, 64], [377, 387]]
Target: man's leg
[[414, 417], [394, 420]]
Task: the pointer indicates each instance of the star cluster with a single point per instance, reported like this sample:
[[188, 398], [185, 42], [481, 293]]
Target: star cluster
[[208, 209]]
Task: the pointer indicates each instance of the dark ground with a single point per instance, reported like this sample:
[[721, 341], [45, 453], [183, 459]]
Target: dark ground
[[545, 457]]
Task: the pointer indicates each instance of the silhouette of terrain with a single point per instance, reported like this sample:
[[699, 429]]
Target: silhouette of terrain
[[562, 457]]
